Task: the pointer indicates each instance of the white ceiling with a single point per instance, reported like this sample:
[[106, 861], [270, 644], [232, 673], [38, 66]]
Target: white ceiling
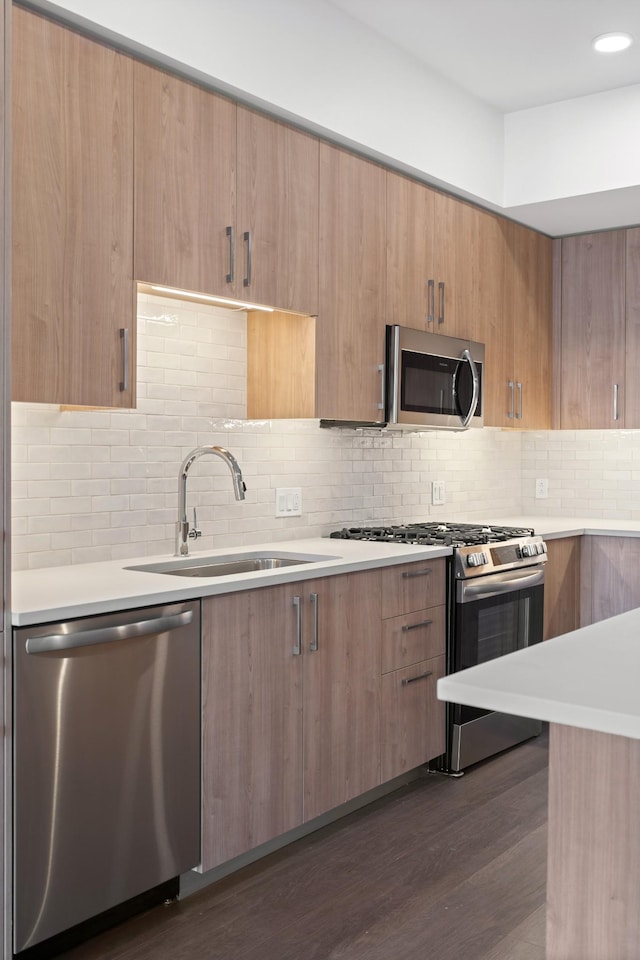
[[512, 54]]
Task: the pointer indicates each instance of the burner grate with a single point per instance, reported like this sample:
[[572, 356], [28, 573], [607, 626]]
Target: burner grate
[[434, 533]]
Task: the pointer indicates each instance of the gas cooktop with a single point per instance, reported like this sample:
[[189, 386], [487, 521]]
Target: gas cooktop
[[434, 533]]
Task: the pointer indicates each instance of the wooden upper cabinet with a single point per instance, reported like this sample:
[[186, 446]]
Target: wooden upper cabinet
[[277, 213], [72, 284], [528, 321], [632, 328], [351, 310], [410, 267], [185, 184], [592, 355]]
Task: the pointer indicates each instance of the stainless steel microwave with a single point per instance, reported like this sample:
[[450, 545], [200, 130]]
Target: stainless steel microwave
[[433, 381]]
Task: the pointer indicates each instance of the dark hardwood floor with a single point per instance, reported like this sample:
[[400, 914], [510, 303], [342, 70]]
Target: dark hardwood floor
[[442, 869]]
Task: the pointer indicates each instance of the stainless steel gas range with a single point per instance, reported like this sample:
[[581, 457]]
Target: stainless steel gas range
[[495, 603]]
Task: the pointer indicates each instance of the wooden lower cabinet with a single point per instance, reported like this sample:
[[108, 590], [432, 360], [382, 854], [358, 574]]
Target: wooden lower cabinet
[[286, 735], [562, 586], [610, 577], [412, 728]]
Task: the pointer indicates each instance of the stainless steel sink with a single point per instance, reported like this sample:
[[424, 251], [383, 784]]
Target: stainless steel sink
[[224, 566]]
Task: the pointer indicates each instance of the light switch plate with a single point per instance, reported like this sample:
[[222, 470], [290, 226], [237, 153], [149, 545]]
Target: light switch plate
[[437, 493], [542, 489], [288, 502]]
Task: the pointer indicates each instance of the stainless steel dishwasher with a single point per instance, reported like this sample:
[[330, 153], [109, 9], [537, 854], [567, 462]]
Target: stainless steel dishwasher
[[106, 763]]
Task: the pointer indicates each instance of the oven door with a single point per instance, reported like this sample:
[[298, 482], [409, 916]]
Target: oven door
[[494, 615]]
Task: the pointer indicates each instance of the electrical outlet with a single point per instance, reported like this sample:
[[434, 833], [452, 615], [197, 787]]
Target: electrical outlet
[[437, 493], [542, 489], [288, 501]]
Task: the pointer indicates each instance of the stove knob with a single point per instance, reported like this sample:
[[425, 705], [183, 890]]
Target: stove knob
[[476, 559], [528, 550]]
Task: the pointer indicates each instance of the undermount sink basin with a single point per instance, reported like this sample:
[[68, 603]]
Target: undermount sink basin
[[228, 565]]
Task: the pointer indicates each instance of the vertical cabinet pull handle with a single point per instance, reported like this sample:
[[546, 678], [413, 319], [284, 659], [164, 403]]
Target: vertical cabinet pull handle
[[615, 401], [512, 404], [431, 300], [247, 239], [124, 336], [313, 646], [441, 310], [232, 255], [382, 386], [519, 389], [297, 647]]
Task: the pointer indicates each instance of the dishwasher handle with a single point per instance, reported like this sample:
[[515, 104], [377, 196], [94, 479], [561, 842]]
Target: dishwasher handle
[[55, 642]]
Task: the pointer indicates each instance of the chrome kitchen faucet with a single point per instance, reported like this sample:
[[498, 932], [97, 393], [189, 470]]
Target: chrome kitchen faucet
[[183, 531]]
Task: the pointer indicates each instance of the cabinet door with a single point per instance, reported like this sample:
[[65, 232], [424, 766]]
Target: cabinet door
[[528, 312], [72, 285], [278, 208], [252, 721], [413, 719], [611, 574], [341, 691], [632, 381], [185, 148], [592, 362], [410, 266], [350, 327], [562, 587]]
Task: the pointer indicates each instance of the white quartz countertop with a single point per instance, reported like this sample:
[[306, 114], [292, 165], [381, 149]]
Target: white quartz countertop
[[552, 528], [62, 593], [587, 678]]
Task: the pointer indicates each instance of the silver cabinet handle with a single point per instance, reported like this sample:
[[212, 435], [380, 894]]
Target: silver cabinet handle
[[519, 389], [441, 310], [232, 255], [415, 626], [124, 336], [54, 642], [382, 386], [421, 676], [313, 646], [615, 401], [297, 647], [408, 574], [431, 297], [512, 408], [247, 239]]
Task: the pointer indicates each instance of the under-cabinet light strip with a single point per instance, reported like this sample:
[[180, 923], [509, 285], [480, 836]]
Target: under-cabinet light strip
[[223, 301]]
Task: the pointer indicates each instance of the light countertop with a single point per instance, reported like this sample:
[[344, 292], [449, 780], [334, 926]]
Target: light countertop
[[62, 593], [587, 678]]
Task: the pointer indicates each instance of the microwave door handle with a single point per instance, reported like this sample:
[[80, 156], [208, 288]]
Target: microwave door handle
[[475, 396]]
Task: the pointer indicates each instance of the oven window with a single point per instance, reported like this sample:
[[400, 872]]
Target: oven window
[[495, 626]]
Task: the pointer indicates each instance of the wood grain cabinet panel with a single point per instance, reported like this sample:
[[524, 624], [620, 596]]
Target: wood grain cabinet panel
[[520, 394], [278, 169], [185, 184], [291, 707], [252, 721], [410, 253], [562, 586], [412, 637], [351, 320], [611, 577], [72, 223], [632, 328], [592, 354], [410, 587], [413, 727]]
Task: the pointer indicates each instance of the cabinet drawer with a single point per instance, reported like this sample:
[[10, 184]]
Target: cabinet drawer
[[412, 586], [413, 637], [413, 719]]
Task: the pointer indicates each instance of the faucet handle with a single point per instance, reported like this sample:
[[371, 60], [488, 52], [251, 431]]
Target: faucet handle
[[194, 533]]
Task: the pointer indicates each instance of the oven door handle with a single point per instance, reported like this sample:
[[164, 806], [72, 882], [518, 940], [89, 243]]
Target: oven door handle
[[499, 583]]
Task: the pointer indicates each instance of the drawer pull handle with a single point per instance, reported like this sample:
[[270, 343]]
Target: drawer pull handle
[[414, 626], [416, 573], [421, 676], [313, 646]]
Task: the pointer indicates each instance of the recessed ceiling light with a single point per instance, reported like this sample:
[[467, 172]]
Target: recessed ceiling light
[[612, 42]]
